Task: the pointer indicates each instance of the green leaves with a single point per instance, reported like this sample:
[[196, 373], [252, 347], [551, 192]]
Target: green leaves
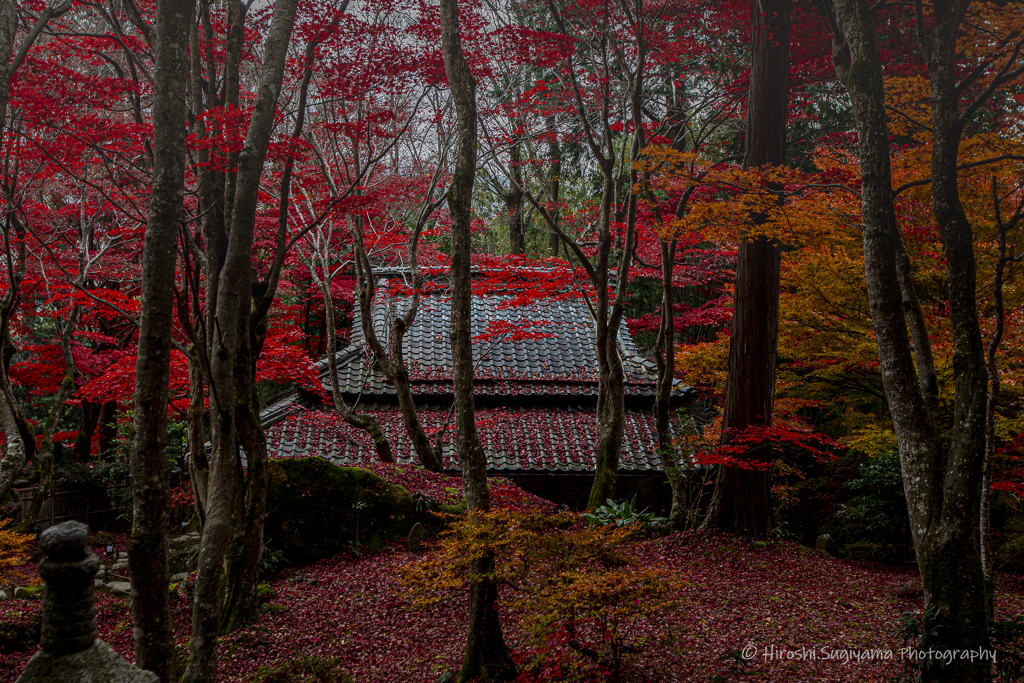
[[623, 513]]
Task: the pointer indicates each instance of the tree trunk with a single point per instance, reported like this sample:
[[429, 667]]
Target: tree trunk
[[985, 526], [151, 510], [611, 409], [393, 364], [486, 656], [368, 423], [951, 569], [942, 484], [741, 501], [87, 428], [228, 324], [554, 184], [245, 543], [665, 360], [198, 462], [514, 202], [985, 520], [108, 428]]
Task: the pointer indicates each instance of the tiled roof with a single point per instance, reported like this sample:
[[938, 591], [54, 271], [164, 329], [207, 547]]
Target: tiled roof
[[559, 439], [548, 422], [562, 364]]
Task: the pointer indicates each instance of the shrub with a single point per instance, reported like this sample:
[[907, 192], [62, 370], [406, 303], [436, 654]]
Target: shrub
[[585, 602], [1010, 556], [312, 669], [623, 513], [876, 513]]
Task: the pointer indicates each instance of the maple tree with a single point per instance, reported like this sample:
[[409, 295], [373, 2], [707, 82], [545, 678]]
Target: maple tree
[[487, 656], [581, 587], [20, 441], [942, 490], [613, 128], [151, 496]]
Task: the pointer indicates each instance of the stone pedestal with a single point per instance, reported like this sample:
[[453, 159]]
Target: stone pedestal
[[70, 650]]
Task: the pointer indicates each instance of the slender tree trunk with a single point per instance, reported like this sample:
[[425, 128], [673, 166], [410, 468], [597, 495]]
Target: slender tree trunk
[[985, 521], [611, 409], [487, 656], [514, 202], [227, 326], [993, 389], [148, 546], [108, 428], [665, 359], [741, 501], [87, 428], [554, 185], [198, 462], [368, 423], [393, 364]]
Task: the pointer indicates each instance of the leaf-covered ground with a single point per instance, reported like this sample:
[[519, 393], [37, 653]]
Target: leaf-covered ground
[[739, 595]]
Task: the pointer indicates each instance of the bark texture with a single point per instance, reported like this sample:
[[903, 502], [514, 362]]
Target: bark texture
[[487, 657], [741, 501], [942, 481], [231, 349], [514, 201], [151, 507]]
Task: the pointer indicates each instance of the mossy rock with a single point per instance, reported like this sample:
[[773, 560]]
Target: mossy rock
[[314, 508], [29, 592]]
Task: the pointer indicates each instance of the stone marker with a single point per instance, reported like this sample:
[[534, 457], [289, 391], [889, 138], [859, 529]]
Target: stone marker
[[827, 543], [417, 536], [70, 650]]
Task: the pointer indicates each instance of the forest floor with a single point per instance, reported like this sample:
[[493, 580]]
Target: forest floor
[[796, 613]]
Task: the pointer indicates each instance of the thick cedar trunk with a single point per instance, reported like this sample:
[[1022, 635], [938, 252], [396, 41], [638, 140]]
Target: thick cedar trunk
[[486, 656], [741, 501], [228, 325], [148, 546], [942, 484]]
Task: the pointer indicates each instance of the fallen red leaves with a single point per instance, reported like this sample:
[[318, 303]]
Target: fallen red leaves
[[781, 595]]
